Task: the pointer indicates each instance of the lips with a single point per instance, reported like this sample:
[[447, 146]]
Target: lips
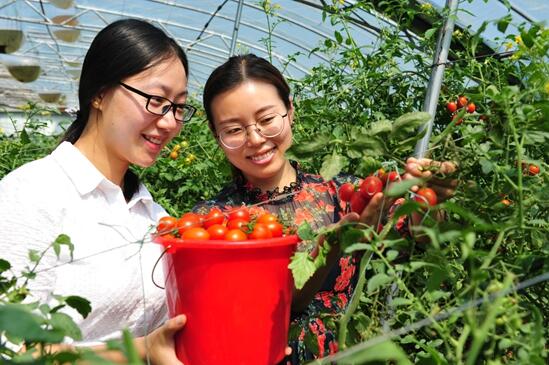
[[153, 140], [262, 156]]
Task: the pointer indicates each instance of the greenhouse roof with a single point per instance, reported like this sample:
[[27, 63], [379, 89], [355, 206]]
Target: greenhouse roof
[[57, 38]]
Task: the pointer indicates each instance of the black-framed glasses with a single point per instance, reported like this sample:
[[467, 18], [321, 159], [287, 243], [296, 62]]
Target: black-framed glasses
[[234, 135], [159, 105]]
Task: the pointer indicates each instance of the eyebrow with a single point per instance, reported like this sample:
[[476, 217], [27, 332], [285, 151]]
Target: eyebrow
[[238, 120], [166, 90]]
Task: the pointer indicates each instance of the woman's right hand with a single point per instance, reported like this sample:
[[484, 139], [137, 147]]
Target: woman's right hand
[[159, 345]]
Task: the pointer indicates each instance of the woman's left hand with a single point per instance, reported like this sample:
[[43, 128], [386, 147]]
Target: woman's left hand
[[438, 175]]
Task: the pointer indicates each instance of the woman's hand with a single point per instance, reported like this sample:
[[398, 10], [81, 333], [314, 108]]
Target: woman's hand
[[437, 174], [159, 345]]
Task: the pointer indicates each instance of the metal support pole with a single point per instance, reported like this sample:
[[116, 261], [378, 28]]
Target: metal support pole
[[437, 73], [236, 26]]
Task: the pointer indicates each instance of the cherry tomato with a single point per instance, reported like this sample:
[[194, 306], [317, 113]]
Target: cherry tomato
[[166, 225], [506, 202], [451, 106], [267, 218], [275, 228], [391, 176], [235, 235], [533, 170], [217, 231], [237, 223], [426, 195], [260, 232], [457, 121], [370, 187], [242, 213], [187, 221], [358, 203], [195, 233], [346, 191], [462, 101], [471, 107], [214, 216]]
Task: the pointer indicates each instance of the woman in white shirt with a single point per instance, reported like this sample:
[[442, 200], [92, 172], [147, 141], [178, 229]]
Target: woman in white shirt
[[132, 94]]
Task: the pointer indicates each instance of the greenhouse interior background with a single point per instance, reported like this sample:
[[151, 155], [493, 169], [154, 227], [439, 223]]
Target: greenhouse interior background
[[50, 38]]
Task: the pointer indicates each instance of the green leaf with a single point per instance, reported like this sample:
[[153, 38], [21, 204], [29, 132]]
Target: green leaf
[[82, 305], [66, 325], [305, 231], [377, 281], [34, 256], [131, 352], [402, 187], [503, 23], [338, 37], [4, 265], [62, 239], [332, 165], [24, 136], [429, 33], [383, 126], [302, 267], [408, 123], [307, 149], [26, 326], [386, 352]]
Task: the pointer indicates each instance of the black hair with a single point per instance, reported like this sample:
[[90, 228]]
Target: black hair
[[123, 48], [237, 70]]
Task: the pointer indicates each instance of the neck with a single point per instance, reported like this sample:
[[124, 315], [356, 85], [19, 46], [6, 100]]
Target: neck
[[113, 169], [282, 178]]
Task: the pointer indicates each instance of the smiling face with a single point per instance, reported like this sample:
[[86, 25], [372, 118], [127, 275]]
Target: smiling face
[[121, 131], [260, 159]]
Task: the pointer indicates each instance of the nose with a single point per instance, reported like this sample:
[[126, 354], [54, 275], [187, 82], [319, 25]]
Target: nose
[[167, 121], [253, 136]]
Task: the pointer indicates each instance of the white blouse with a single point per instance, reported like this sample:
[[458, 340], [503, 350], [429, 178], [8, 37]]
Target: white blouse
[[113, 255]]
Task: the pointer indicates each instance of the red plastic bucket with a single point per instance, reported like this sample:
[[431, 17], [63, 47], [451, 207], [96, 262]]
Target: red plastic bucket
[[236, 296]]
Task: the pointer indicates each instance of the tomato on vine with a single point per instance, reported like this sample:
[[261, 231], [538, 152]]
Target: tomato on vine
[[370, 186], [426, 196], [462, 101], [241, 212], [217, 231], [451, 106], [358, 203], [214, 216], [346, 191], [471, 107], [166, 225], [196, 233]]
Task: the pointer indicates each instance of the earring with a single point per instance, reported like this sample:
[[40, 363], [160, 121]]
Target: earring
[[95, 104]]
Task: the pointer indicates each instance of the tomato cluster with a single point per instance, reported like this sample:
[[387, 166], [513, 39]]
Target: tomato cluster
[[359, 196], [461, 102], [237, 224]]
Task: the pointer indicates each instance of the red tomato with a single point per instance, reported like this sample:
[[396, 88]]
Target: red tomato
[[358, 203], [260, 232], [275, 228], [242, 213], [187, 221], [217, 231], [426, 195], [462, 101], [214, 216], [471, 107], [457, 121], [238, 223], [533, 169], [195, 233], [267, 218], [506, 202], [451, 106], [346, 191], [166, 225], [370, 187], [393, 176], [235, 235]]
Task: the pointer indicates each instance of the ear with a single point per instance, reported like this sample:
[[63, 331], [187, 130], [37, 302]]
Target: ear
[[96, 101]]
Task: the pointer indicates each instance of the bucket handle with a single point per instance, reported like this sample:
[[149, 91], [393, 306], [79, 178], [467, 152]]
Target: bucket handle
[[156, 263]]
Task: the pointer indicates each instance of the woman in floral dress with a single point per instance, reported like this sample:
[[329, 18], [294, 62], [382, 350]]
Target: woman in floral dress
[[249, 109]]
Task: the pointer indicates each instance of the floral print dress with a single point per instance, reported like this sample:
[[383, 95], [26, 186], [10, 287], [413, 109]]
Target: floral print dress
[[314, 200]]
